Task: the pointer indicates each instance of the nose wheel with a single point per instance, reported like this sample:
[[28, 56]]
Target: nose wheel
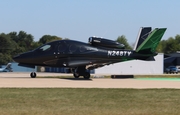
[[33, 74]]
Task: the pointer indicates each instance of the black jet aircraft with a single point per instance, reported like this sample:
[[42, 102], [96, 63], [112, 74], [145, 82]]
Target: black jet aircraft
[[81, 57]]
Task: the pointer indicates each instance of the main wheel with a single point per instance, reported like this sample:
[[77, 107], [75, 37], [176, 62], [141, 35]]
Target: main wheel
[[33, 74], [86, 75], [76, 75]]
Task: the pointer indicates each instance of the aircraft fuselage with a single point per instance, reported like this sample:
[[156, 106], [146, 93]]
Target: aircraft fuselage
[[69, 53], [81, 57]]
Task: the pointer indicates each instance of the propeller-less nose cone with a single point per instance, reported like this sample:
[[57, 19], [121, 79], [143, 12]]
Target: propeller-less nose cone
[[17, 58], [24, 58]]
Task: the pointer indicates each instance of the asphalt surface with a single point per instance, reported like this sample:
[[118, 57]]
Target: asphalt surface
[[22, 80]]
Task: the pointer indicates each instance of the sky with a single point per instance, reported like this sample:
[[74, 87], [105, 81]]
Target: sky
[[80, 19]]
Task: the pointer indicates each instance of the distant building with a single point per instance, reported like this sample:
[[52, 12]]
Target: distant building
[[53, 69], [172, 59], [17, 68], [134, 67], [56, 69]]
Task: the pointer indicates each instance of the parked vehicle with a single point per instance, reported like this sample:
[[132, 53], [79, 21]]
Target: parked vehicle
[[172, 69]]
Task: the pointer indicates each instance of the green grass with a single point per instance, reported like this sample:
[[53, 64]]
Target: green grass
[[81, 101], [158, 76]]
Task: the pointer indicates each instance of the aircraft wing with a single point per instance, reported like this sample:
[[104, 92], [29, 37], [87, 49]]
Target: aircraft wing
[[3, 70], [97, 65], [89, 63]]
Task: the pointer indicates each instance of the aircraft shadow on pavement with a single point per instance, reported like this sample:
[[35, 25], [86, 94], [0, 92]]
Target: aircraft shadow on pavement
[[122, 76], [77, 79], [15, 77]]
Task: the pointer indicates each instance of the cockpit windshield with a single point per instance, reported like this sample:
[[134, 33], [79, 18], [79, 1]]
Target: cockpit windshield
[[44, 48]]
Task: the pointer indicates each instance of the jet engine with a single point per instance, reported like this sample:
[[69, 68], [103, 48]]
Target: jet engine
[[97, 41]]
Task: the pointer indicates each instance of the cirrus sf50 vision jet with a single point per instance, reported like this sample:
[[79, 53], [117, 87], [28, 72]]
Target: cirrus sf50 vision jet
[[81, 57]]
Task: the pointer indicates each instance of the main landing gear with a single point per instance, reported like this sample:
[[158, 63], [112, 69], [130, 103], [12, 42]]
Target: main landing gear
[[81, 71], [33, 74]]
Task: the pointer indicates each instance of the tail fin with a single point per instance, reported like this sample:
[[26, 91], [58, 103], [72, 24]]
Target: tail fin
[[143, 34], [149, 45]]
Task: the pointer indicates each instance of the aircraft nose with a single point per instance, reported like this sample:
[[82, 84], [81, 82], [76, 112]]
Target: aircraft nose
[[24, 57], [17, 58]]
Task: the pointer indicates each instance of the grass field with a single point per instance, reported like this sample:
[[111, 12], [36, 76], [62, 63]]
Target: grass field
[[74, 101]]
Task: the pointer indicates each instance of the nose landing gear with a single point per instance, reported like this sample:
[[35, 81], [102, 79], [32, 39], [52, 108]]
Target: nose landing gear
[[33, 74]]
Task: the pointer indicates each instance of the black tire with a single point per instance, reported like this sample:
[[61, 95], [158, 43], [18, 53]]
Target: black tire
[[76, 75], [33, 74], [86, 75]]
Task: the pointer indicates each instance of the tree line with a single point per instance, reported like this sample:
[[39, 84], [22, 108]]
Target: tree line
[[14, 43]]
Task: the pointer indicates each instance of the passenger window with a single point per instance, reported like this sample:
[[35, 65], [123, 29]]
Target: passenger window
[[82, 49], [62, 47], [73, 48]]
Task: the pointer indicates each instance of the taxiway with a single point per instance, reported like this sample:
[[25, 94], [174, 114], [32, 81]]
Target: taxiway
[[22, 80]]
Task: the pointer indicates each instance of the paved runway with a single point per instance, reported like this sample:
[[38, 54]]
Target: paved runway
[[22, 80]]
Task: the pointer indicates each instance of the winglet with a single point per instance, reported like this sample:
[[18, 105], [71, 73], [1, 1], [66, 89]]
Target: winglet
[[150, 44]]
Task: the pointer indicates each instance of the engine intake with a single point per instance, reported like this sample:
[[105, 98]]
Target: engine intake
[[97, 41]]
